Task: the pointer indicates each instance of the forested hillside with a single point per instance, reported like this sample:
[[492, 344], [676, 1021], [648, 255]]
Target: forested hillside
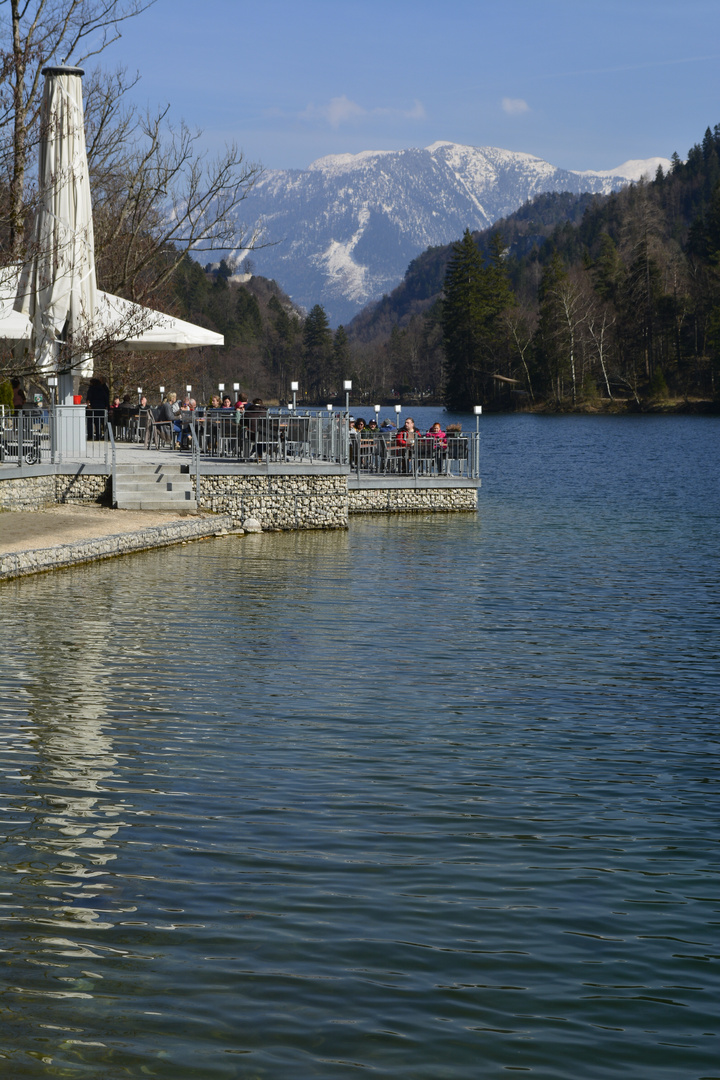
[[268, 341], [568, 301], [572, 302]]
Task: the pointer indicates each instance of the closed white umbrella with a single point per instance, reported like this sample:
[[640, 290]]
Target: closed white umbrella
[[56, 299], [57, 288]]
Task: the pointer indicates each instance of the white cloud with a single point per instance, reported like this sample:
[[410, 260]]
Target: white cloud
[[515, 106], [416, 113], [341, 110]]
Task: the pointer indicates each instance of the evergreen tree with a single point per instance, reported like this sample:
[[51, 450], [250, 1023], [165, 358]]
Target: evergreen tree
[[247, 312], [340, 358], [474, 334], [607, 270], [551, 340], [462, 320], [318, 351], [280, 345]]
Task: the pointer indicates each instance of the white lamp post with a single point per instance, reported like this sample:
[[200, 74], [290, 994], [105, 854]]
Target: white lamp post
[[162, 392], [294, 386], [139, 393], [188, 388], [377, 412], [397, 416], [347, 387], [52, 383], [477, 409]]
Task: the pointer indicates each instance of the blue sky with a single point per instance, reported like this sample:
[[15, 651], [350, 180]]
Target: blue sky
[[586, 84]]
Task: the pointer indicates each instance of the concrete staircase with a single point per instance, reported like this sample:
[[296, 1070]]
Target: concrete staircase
[[154, 487]]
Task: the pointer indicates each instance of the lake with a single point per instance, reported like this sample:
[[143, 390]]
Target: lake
[[436, 797]]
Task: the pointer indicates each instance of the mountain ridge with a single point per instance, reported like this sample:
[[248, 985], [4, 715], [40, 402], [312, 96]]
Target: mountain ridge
[[343, 231]]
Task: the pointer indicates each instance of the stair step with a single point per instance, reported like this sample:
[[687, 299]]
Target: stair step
[[166, 467], [187, 507], [171, 487], [154, 487], [161, 494]]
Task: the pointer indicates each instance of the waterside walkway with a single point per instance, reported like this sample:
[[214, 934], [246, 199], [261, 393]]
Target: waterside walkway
[[35, 541], [52, 516]]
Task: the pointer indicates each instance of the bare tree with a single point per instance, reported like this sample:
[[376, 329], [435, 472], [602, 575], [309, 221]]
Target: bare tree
[[38, 33], [521, 326], [599, 323], [156, 195]]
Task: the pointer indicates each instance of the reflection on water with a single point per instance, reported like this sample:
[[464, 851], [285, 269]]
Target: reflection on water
[[431, 798]]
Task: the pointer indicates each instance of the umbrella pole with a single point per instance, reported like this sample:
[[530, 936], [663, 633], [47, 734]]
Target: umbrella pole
[[65, 388]]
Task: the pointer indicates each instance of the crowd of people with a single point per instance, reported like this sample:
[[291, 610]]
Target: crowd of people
[[377, 448], [171, 418], [405, 436]]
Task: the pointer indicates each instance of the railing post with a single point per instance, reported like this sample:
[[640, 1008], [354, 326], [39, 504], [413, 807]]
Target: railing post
[[110, 440], [195, 460], [20, 435]]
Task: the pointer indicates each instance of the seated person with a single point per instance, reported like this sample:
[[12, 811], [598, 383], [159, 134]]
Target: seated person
[[254, 421], [114, 413], [407, 434], [407, 439], [437, 434], [164, 422]]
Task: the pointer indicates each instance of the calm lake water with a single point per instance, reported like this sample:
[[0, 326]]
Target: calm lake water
[[433, 798]]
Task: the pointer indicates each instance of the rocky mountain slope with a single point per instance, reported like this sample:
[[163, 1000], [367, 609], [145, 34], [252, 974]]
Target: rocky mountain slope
[[343, 231]]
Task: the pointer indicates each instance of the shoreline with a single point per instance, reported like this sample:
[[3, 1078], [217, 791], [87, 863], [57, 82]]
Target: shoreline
[[601, 406], [92, 533], [671, 407]]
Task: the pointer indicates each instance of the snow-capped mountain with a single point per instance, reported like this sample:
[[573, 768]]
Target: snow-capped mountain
[[344, 230]]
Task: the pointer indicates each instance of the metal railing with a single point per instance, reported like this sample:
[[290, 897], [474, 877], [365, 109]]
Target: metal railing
[[195, 446], [278, 436], [53, 436], [66, 433], [26, 437], [456, 455], [320, 436], [110, 442]]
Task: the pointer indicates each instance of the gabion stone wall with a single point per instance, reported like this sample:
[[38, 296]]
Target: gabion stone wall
[[307, 501], [409, 500], [27, 493], [40, 492], [82, 488], [279, 502]]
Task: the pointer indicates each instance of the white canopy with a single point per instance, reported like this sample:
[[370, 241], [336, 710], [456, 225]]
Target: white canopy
[[132, 327]]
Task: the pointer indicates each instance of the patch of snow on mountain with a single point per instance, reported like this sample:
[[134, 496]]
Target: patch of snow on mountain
[[340, 163], [347, 276], [634, 169]]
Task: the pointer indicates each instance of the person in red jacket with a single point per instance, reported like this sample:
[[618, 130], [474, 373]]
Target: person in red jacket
[[437, 434], [407, 434]]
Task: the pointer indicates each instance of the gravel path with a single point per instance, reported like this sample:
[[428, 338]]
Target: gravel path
[[67, 524]]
